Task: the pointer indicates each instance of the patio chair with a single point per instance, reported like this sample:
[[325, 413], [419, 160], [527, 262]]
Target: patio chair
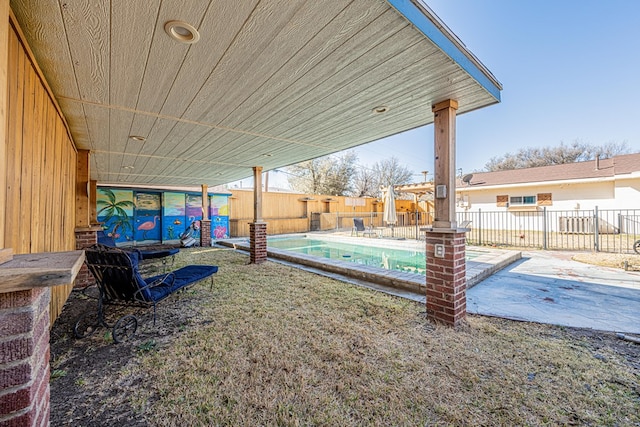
[[119, 282], [359, 227], [143, 255]]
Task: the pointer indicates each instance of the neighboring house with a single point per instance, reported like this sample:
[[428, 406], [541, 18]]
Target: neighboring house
[[607, 184]]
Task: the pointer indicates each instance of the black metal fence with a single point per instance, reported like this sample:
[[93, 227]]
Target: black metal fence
[[606, 230]]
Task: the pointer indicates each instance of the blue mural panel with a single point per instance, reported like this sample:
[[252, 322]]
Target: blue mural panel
[[115, 210], [147, 217], [173, 220]]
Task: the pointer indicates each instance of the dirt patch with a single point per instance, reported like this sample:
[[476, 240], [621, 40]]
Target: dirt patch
[[628, 261], [85, 384]]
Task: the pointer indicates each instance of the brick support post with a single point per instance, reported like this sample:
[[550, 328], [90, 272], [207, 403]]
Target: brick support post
[[446, 283], [85, 237], [205, 232], [258, 242], [24, 358]]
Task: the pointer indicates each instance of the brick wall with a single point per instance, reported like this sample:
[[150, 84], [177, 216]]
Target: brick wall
[[446, 282], [257, 242], [85, 237], [24, 358]]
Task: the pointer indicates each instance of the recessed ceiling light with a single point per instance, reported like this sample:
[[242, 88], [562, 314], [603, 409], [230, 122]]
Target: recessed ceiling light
[[138, 138], [182, 32], [381, 109]]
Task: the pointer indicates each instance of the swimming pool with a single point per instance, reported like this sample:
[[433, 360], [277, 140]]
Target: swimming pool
[[405, 256]]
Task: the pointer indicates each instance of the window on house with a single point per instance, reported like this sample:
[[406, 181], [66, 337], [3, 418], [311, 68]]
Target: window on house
[[522, 200]]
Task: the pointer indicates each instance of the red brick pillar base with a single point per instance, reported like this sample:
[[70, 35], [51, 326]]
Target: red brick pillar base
[[24, 358], [258, 242], [205, 232], [446, 283], [85, 237]]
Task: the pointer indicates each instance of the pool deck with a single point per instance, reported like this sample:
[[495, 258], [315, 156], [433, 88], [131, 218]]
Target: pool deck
[[406, 284]]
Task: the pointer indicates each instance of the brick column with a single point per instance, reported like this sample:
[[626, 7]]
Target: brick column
[[446, 270], [205, 232], [24, 358], [85, 237], [257, 242]]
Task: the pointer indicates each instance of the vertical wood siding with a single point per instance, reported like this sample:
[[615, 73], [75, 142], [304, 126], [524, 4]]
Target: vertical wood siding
[[40, 169]]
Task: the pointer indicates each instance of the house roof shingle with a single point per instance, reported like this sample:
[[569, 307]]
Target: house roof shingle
[[608, 168]]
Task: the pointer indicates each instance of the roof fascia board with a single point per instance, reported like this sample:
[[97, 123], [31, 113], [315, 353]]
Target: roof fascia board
[[425, 20], [537, 184]]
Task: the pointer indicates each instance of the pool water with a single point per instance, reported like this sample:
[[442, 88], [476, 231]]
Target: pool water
[[407, 260]]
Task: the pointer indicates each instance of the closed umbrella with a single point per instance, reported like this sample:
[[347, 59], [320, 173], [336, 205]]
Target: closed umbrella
[[389, 215]]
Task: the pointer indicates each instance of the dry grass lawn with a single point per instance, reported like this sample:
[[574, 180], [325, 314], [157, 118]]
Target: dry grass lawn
[[275, 345]]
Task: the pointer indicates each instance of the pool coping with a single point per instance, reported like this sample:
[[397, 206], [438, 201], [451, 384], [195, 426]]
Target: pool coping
[[477, 269]]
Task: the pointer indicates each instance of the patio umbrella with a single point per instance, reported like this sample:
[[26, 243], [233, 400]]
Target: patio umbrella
[[389, 215]]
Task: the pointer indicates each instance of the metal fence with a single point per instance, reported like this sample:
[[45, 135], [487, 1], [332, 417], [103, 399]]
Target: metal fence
[[606, 230], [597, 229], [408, 226]]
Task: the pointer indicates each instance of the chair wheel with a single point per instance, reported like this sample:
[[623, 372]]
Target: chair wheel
[[124, 328], [86, 325]]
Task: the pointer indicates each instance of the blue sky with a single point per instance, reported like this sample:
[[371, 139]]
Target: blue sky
[[570, 70]]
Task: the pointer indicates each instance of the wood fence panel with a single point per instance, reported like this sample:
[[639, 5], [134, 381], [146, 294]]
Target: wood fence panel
[[40, 166], [288, 212]]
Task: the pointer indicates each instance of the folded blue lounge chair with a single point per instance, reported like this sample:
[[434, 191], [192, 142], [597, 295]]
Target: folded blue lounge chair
[[120, 283]]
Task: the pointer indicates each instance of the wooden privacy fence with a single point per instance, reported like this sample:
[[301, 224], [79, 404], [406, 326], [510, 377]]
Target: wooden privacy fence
[[606, 230], [291, 212], [300, 213]]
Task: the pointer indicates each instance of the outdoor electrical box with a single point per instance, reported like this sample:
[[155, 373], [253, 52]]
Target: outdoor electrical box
[[439, 250]]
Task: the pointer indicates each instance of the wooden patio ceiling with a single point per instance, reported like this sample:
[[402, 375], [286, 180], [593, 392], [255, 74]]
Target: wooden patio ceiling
[[269, 83]]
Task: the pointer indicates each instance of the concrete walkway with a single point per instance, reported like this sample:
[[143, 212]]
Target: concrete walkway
[[548, 287]]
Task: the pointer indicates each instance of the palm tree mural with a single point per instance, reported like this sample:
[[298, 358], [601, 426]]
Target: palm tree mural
[[115, 213]]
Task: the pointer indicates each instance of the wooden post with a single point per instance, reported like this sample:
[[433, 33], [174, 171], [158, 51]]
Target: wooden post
[[4, 66], [445, 164], [82, 190], [205, 202], [258, 228], [445, 243], [93, 198], [257, 194]]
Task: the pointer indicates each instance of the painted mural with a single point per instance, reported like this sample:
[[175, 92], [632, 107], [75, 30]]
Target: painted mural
[[115, 212], [132, 216], [219, 214], [174, 213], [147, 217]]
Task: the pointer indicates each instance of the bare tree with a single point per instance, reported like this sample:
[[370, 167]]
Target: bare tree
[[391, 172], [365, 183], [324, 175], [577, 151]]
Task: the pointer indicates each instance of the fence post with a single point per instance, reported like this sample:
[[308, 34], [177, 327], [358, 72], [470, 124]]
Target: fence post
[[544, 228], [596, 230], [479, 227]]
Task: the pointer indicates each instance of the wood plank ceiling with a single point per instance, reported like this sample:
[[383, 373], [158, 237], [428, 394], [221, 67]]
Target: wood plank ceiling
[[270, 82]]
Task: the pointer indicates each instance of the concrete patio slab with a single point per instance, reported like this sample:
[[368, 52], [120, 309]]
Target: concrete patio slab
[[548, 287]]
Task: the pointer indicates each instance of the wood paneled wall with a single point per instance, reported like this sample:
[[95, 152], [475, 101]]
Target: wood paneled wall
[[40, 166]]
